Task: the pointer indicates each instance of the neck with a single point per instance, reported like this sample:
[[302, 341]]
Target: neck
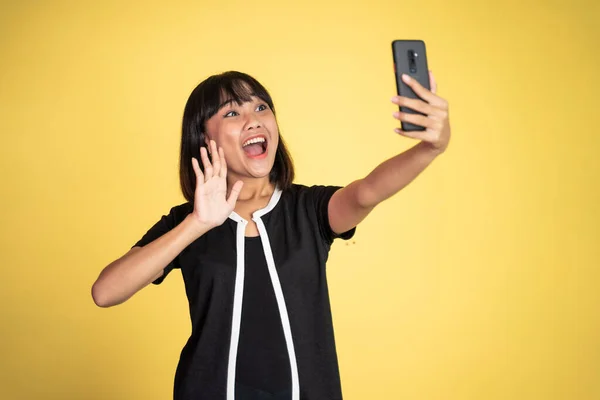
[[253, 189]]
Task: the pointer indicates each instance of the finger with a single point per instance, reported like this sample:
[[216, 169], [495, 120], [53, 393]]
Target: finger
[[223, 171], [198, 171], [432, 83], [418, 88], [425, 136], [419, 105], [235, 193], [417, 119], [208, 169], [423, 93], [216, 161]]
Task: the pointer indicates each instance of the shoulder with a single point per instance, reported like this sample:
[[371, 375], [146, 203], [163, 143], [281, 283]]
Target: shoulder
[[184, 207], [179, 212], [311, 192], [298, 189], [312, 203], [315, 196], [167, 222]]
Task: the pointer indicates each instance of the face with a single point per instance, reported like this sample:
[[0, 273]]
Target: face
[[249, 136]]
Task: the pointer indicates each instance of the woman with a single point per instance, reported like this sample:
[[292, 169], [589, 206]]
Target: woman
[[252, 246]]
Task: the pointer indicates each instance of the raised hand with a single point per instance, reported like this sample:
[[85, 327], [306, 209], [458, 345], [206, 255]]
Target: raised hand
[[436, 118], [211, 205]]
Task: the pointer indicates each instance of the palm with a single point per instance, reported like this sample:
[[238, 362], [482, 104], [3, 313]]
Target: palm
[[211, 205]]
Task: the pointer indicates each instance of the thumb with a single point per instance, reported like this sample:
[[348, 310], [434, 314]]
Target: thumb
[[235, 193]]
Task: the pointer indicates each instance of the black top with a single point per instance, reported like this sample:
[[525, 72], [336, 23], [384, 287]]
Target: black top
[[262, 358], [296, 240]]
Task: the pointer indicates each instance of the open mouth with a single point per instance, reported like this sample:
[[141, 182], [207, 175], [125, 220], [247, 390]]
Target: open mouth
[[255, 147]]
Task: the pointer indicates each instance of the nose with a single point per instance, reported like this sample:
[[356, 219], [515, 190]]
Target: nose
[[253, 122]]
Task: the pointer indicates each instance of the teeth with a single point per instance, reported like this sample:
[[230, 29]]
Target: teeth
[[255, 140]]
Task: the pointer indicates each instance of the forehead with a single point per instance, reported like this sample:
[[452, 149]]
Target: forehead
[[228, 99], [236, 90]]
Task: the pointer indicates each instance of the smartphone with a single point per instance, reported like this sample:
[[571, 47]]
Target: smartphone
[[410, 58]]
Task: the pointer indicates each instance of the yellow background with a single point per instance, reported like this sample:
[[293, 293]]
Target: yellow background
[[478, 281]]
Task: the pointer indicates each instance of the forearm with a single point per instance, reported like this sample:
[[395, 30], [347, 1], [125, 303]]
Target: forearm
[[393, 175], [140, 266]]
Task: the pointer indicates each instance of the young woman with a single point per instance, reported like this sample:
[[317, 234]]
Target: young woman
[[252, 245]]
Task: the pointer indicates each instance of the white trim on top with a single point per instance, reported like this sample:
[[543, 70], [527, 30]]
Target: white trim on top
[[239, 290], [237, 307]]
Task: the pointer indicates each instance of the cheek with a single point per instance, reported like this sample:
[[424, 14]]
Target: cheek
[[275, 140], [226, 136], [274, 129], [211, 131], [230, 140]]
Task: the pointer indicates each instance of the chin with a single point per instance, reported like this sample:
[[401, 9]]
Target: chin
[[259, 174]]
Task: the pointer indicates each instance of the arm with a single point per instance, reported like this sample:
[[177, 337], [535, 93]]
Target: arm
[[124, 277], [351, 204]]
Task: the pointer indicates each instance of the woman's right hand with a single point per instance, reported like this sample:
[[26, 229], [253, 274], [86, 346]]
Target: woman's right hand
[[211, 205]]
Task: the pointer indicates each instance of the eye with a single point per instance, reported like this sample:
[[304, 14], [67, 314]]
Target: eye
[[231, 114], [262, 107]]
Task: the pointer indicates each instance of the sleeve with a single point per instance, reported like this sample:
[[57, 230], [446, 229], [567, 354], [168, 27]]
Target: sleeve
[[321, 197], [164, 225]]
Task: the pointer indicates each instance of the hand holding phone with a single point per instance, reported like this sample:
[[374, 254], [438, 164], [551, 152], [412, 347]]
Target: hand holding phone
[[427, 119], [410, 58]]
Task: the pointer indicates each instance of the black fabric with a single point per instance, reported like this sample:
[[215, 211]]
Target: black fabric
[[243, 392], [262, 361], [300, 239]]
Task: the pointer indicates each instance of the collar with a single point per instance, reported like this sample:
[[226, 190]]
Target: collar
[[259, 213]]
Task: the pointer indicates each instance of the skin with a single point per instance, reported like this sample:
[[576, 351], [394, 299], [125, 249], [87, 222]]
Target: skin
[[228, 129], [351, 204], [244, 185]]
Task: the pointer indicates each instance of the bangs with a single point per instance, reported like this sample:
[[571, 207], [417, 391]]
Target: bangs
[[232, 87]]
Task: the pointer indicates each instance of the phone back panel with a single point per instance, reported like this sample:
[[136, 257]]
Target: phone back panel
[[410, 58]]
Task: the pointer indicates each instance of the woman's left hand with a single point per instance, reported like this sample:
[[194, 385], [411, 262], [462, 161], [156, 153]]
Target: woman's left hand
[[435, 121]]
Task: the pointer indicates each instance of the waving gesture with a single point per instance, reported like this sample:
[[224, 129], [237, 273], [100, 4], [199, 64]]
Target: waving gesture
[[211, 205], [435, 121]]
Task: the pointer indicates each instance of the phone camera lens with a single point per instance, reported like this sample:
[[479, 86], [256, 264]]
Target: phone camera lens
[[413, 70]]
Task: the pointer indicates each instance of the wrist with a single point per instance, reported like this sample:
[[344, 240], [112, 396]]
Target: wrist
[[430, 150], [196, 227]]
